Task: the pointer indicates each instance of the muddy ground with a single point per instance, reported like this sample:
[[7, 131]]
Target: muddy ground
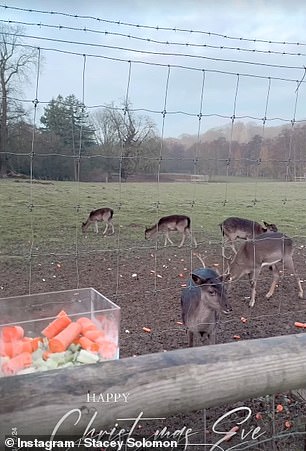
[[152, 299]]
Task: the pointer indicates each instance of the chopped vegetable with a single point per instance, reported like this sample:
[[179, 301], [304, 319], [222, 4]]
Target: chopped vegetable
[[59, 324], [10, 333], [64, 339], [21, 361]]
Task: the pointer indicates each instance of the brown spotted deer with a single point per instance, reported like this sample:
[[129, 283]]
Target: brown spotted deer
[[167, 224], [268, 249], [202, 301], [233, 228], [95, 216]]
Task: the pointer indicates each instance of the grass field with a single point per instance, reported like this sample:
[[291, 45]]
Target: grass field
[[60, 207]]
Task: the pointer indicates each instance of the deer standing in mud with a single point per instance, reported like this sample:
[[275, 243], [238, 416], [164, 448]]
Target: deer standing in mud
[[166, 224], [233, 228], [269, 249], [202, 301], [100, 215]]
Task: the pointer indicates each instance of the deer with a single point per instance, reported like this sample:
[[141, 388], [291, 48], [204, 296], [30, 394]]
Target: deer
[[95, 216], [166, 224], [268, 249], [202, 301], [233, 228]]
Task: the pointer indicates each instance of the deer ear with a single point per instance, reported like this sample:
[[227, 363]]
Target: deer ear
[[197, 280]]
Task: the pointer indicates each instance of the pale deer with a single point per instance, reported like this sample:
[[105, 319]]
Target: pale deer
[[100, 215], [233, 228], [167, 224], [202, 302], [269, 249]]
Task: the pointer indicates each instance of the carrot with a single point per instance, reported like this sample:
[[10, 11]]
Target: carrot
[[237, 337], [14, 348], [17, 363], [10, 333], [60, 342], [108, 350], [94, 334], [146, 329], [86, 324], [46, 355], [89, 345], [302, 325], [61, 313], [231, 433], [279, 408], [54, 328], [35, 342]]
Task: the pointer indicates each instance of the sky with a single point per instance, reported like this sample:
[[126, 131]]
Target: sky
[[219, 68]]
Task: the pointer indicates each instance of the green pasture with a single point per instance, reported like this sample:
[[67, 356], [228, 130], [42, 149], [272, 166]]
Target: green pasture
[[45, 217]]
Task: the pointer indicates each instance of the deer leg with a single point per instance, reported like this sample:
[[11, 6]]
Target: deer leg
[[190, 338], [274, 282], [105, 230], [288, 263], [96, 227], [253, 280], [167, 238], [183, 239], [112, 226], [192, 238], [223, 249]]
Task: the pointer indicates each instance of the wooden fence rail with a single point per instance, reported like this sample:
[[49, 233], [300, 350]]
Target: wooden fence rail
[[159, 385]]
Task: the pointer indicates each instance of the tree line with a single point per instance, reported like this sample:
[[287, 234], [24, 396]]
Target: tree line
[[69, 143]]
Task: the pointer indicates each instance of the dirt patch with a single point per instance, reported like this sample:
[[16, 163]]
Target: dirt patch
[[152, 299]]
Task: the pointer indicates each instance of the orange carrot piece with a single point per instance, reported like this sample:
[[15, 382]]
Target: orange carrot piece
[[302, 325], [86, 324], [46, 355], [60, 342], [10, 333], [54, 328], [89, 345], [61, 313], [231, 433], [26, 346], [17, 363], [94, 334], [14, 348], [279, 408], [35, 342], [108, 350], [146, 329]]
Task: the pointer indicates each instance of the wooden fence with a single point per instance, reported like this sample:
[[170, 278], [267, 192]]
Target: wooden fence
[[159, 385]]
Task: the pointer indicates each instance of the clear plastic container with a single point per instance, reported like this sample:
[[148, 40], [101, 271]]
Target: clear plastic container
[[33, 313]]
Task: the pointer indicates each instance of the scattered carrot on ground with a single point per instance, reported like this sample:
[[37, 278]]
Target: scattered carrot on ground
[[231, 433], [279, 408], [236, 337], [146, 329], [298, 324]]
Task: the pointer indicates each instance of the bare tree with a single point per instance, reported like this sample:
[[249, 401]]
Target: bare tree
[[15, 63], [127, 137]]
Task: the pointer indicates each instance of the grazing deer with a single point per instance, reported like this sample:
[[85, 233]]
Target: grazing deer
[[167, 224], [268, 249], [202, 302], [95, 216], [233, 228]]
